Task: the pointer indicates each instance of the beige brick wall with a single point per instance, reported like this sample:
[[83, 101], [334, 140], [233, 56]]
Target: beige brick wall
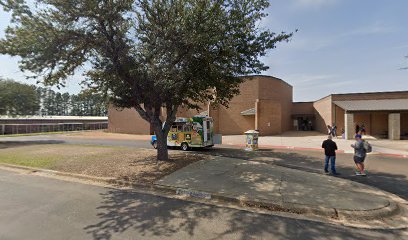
[[323, 113], [126, 121], [231, 122], [379, 123], [339, 119], [269, 117], [214, 113], [281, 94], [363, 118], [188, 113], [273, 94], [302, 108]]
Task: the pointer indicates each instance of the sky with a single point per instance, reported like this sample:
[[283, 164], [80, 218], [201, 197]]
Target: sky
[[341, 46]]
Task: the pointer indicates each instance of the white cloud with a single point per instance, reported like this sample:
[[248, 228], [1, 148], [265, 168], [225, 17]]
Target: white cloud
[[314, 3], [310, 79], [315, 43], [403, 46], [328, 86], [375, 28]]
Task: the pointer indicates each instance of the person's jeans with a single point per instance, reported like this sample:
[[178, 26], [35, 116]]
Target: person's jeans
[[332, 164]]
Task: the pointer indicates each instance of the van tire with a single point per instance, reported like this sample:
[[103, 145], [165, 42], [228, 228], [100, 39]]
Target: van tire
[[184, 146]]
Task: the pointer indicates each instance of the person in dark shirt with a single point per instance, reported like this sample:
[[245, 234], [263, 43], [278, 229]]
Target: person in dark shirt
[[357, 129], [330, 148]]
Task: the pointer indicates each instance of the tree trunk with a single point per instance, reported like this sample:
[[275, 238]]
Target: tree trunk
[[161, 135], [162, 152], [152, 115]]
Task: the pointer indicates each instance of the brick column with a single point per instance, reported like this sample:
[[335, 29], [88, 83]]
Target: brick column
[[394, 126], [349, 125]]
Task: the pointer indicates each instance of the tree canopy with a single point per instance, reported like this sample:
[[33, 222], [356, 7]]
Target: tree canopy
[[18, 98], [146, 54]]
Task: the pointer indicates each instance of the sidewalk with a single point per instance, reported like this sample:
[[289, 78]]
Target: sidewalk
[[283, 189], [313, 141]]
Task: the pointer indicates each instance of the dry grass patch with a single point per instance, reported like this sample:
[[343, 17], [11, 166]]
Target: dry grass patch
[[99, 134], [138, 165]]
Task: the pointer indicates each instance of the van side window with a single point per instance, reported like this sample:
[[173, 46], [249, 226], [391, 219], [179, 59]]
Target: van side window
[[186, 128]]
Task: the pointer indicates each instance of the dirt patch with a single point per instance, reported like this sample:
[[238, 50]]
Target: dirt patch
[[123, 163]]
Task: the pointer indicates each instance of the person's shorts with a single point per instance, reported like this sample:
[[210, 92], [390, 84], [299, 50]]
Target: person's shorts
[[359, 159]]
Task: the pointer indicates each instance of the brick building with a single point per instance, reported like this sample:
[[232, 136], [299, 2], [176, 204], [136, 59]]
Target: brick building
[[266, 103]]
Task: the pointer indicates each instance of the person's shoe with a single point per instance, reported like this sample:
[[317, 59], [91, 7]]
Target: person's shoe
[[358, 174], [335, 173], [363, 174], [326, 172]]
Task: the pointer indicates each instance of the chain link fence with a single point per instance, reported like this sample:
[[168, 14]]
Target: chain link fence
[[8, 129]]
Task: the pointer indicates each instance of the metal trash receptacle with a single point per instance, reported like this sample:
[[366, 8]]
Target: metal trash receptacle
[[251, 140]]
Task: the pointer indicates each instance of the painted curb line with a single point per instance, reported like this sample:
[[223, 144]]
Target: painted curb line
[[319, 149]]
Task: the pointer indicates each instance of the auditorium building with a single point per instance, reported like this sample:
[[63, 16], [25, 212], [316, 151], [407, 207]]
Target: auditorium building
[[265, 103]]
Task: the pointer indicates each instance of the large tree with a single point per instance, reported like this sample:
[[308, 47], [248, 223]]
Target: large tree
[[149, 55], [18, 98]]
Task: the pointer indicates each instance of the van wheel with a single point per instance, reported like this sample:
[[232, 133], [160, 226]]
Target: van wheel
[[155, 144], [184, 146]]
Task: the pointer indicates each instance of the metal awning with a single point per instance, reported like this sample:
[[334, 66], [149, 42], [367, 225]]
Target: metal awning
[[249, 112], [373, 105]]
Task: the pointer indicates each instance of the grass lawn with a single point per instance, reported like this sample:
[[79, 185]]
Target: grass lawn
[[124, 163]]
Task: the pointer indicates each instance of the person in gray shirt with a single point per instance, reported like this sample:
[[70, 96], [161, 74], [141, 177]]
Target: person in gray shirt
[[360, 154]]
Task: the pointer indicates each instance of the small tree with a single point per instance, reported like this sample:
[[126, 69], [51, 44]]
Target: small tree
[[146, 54]]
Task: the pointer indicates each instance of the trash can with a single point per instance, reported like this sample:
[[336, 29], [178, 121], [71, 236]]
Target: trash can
[[251, 140]]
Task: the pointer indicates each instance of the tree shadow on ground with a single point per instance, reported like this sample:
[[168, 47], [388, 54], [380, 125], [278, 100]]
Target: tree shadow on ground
[[14, 144], [127, 214], [312, 161]]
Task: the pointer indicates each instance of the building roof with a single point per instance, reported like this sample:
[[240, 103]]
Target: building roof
[[361, 93], [249, 112], [266, 76], [373, 105]]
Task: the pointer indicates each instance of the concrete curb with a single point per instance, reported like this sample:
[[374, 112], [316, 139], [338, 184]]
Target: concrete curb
[[390, 210], [58, 173]]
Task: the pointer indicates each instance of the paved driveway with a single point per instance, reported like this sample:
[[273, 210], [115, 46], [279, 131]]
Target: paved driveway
[[34, 207], [384, 171], [63, 138]]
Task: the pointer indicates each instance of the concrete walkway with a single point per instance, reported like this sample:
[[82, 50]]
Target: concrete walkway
[[283, 189], [313, 140]]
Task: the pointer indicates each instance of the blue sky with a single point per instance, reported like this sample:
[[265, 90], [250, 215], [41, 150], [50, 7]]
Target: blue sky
[[342, 46]]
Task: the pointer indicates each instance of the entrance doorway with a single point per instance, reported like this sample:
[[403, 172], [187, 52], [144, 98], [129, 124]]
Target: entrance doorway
[[303, 123]]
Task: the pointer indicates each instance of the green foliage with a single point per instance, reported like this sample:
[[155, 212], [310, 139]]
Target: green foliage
[[18, 98], [23, 99], [146, 54], [86, 103]]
